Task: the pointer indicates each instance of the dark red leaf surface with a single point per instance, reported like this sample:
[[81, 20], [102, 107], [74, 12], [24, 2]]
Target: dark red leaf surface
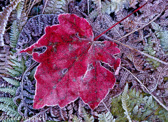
[[71, 65]]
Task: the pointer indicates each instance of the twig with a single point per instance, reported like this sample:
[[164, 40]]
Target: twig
[[146, 89], [105, 106], [142, 26], [109, 38], [119, 21], [44, 6], [31, 5], [88, 6], [117, 41]]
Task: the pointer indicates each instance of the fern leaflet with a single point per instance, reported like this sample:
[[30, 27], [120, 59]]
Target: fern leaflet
[[124, 102], [12, 81], [10, 111], [56, 6], [108, 117], [14, 34], [140, 107], [162, 35], [7, 101], [8, 90]]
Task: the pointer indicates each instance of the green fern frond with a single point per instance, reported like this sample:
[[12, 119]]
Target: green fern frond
[[16, 67], [10, 111], [17, 24], [7, 100], [149, 48], [162, 114], [12, 81], [56, 6], [162, 35], [19, 9], [18, 63], [12, 72], [9, 90], [108, 117], [10, 120], [107, 7], [4, 15], [112, 6], [86, 116], [13, 67], [140, 106], [76, 119], [124, 99], [14, 34]]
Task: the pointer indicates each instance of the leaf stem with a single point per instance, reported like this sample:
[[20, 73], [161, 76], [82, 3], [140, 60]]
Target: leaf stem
[[119, 21]]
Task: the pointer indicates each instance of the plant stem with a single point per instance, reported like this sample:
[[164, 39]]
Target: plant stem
[[119, 21], [142, 26], [116, 41]]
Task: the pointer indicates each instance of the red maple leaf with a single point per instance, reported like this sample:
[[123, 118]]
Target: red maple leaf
[[71, 65]]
